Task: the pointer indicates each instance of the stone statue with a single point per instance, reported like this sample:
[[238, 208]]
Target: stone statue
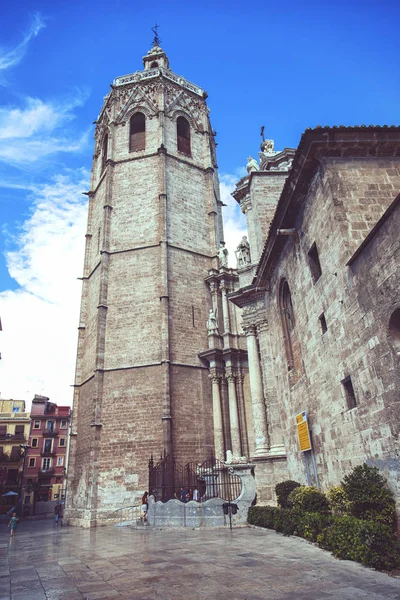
[[223, 255], [212, 324], [268, 147], [243, 253], [252, 165]]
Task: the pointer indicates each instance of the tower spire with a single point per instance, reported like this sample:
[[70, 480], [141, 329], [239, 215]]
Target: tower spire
[[156, 39]]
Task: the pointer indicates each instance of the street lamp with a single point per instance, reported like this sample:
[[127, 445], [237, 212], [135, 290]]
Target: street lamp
[[24, 449]]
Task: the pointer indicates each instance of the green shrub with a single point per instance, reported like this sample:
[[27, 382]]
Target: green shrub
[[337, 500], [311, 525], [283, 490], [368, 495], [262, 516], [308, 499], [367, 542]]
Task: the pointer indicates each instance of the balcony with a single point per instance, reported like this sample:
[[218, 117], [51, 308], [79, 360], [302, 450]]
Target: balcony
[[49, 433], [48, 454], [12, 437], [46, 472]]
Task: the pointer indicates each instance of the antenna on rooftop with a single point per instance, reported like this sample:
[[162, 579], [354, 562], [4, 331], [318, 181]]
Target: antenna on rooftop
[[157, 39]]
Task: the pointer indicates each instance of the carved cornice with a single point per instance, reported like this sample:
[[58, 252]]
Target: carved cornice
[[159, 72], [247, 296]]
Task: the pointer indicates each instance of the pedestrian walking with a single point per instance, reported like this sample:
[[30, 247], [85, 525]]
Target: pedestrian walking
[[13, 524]]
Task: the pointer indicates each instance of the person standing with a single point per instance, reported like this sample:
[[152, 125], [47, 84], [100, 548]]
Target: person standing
[[196, 494], [56, 513], [13, 524], [60, 514], [183, 495], [145, 506]]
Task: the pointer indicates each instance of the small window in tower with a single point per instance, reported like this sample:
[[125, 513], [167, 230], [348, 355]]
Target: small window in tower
[[104, 155], [349, 392], [183, 133], [137, 132], [154, 65], [322, 322], [315, 265]]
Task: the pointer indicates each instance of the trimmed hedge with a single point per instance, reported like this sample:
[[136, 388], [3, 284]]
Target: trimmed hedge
[[346, 537]]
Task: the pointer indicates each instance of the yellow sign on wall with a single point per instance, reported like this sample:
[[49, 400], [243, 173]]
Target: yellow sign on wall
[[303, 432]]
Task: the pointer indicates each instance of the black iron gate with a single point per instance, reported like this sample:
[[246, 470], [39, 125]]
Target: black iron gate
[[212, 478]]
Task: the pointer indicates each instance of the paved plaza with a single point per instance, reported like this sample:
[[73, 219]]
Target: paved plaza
[[44, 562]]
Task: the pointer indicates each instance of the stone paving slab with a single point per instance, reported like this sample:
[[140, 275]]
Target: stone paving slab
[[48, 563]]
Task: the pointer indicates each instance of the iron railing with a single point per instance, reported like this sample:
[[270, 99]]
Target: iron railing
[[128, 515], [212, 478]]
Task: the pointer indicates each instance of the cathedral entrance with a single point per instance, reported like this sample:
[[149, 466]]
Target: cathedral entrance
[[194, 481]]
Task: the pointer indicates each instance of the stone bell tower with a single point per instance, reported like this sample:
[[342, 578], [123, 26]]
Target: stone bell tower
[[154, 227]]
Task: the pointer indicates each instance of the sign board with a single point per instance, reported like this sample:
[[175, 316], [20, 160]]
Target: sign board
[[303, 432]]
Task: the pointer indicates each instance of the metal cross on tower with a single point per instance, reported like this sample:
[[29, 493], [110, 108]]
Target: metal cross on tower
[[157, 39]]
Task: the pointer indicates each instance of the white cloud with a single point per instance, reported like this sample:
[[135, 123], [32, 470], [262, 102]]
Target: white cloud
[[40, 320], [11, 57], [29, 134], [234, 220]]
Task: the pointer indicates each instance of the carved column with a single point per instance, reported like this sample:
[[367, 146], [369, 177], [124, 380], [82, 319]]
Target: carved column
[[242, 415], [234, 417], [256, 392], [217, 418], [225, 308]]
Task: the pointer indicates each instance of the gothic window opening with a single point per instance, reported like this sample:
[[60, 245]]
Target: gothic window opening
[[137, 132], [394, 331], [154, 65], [349, 393], [104, 154], [313, 261], [183, 134], [322, 322], [287, 316]]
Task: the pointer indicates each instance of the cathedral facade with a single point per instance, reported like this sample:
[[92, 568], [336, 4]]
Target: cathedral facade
[[321, 304]]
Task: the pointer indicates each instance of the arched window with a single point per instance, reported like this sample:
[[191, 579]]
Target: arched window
[[287, 316], [137, 132], [104, 154], [394, 331], [183, 134]]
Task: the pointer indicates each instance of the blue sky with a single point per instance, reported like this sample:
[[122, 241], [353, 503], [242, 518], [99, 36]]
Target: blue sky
[[287, 66]]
